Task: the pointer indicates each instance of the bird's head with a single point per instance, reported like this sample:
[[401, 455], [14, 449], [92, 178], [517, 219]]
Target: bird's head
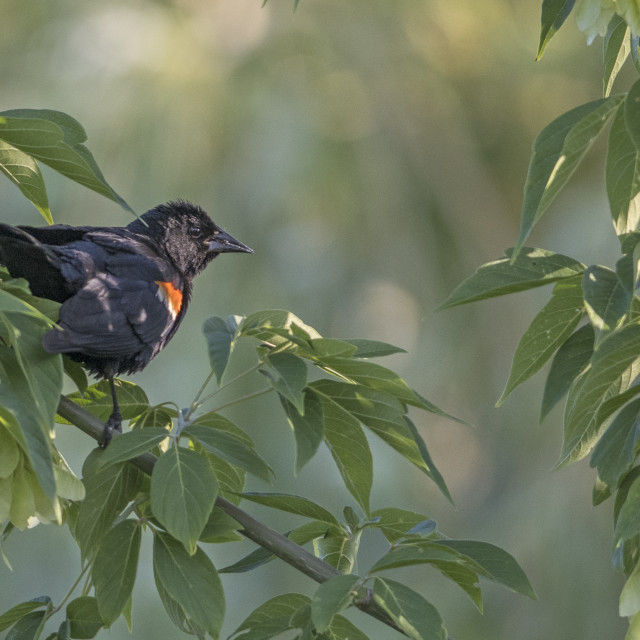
[[187, 235]]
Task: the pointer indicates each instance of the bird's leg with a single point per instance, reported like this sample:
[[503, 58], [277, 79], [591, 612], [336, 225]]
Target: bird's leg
[[115, 419]]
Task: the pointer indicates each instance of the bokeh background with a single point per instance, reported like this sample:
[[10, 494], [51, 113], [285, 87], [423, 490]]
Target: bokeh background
[[373, 154]]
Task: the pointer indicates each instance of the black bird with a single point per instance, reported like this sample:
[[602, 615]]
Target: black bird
[[124, 290]]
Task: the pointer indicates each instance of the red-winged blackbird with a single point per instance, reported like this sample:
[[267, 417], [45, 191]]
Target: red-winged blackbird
[[124, 290]]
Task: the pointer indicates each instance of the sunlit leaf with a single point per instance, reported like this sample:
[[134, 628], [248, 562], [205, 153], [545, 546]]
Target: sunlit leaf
[[554, 13], [616, 51]]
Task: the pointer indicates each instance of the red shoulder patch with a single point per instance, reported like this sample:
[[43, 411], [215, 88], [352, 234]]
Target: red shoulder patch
[[170, 296]]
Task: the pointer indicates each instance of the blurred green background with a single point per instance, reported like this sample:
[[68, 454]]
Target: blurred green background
[[373, 154]]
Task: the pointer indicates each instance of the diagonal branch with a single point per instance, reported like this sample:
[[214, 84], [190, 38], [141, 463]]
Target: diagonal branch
[[268, 538]]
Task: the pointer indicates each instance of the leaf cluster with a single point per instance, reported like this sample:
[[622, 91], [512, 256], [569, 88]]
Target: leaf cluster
[[589, 330]]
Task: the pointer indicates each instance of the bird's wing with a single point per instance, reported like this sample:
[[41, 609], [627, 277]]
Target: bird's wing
[[113, 317]]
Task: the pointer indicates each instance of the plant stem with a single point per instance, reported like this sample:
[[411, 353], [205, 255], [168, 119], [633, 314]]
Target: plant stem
[[254, 394], [71, 590]]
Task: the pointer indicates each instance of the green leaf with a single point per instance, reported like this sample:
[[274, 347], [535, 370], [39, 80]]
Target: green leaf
[[24, 172], [613, 366], [554, 13], [230, 448], [30, 385], [623, 173], [56, 138], [28, 627], [467, 579], [557, 152], [320, 348], [373, 348], [330, 598], [277, 326], [606, 300], [375, 376], [614, 454], [630, 599], [14, 614], [292, 504], [416, 617], [159, 415], [616, 50], [338, 549], [628, 521], [531, 268], [271, 618], [108, 491], [342, 629], [350, 450], [178, 615], [76, 373], [493, 563], [183, 491], [288, 376], [114, 569], [549, 329], [132, 444], [97, 400], [191, 580], [220, 527], [308, 428], [632, 113], [221, 337], [396, 523], [84, 617], [570, 360]]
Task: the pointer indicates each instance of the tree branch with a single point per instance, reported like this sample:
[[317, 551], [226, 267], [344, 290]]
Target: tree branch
[[278, 544]]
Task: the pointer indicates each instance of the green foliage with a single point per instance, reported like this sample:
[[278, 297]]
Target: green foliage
[[595, 365], [331, 393]]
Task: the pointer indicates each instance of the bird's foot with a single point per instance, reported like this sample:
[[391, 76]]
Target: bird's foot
[[114, 423]]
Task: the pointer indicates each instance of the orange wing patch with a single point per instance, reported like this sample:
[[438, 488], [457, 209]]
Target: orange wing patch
[[170, 296]]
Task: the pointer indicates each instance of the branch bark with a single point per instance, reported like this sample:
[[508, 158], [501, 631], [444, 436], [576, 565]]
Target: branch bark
[[278, 544]]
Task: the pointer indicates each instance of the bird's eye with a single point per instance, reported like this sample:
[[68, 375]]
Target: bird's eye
[[195, 231]]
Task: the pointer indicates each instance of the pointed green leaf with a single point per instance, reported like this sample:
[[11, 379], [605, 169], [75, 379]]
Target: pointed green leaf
[[230, 448], [308, 428], [350, 450], [338, 550], [14, 614], [25, 173], [84, 617], [416, 617], [271, 618], [97, 400], [330, 598], [292, 504], [114, 569], [623, 172], [55, 138], [191, 580], [630, 600], [221, 336], [616, 50], [570, 360], [554, 13], [178, 615], [373, 348], [549, 329], [614, 454], [613, 367], [108, 491], [323, 347], [632, 113], [531, 268], [628, 521], [183, 490], [342, 629], [557, 152], [493, 563], [396, 523], [464, 577], [28, 627], [132, 444], [288, 376]]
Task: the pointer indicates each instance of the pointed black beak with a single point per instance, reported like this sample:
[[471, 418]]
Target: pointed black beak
[[224, 243]]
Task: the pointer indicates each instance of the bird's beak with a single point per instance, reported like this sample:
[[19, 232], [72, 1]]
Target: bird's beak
[[224, 243]]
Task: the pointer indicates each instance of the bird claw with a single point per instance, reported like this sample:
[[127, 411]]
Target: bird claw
[[114, 423]]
